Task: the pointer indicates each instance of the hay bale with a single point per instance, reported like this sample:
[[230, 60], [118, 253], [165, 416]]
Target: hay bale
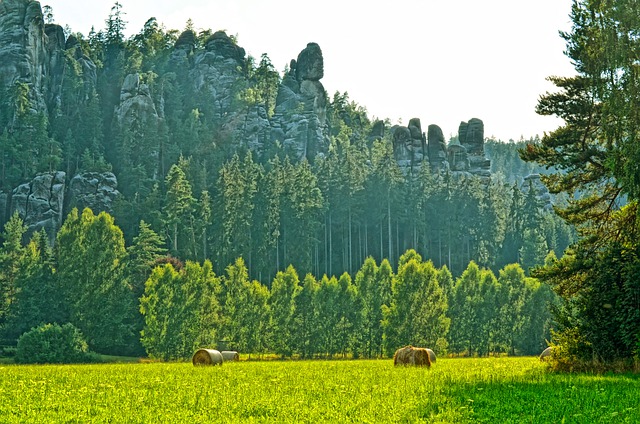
[[432, 355], [207, 357], [230, 355], [409, 355], [546, 353]]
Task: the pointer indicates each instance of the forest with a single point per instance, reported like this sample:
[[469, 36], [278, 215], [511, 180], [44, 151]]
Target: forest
[[325, 237]]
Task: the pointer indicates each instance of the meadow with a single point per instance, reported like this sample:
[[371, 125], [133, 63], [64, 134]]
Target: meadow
[[515, 390]]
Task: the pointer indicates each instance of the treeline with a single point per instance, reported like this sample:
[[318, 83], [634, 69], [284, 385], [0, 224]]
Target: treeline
[[136, 299], [328, 217]]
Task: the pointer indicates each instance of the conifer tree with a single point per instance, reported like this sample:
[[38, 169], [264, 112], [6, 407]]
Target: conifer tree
[[595, 153]]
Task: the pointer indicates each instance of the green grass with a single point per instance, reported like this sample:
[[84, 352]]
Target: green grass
[[495, 390]]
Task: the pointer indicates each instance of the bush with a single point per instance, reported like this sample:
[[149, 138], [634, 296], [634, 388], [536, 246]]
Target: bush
[[53, 344]]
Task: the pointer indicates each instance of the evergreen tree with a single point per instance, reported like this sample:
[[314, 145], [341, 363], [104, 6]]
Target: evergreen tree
[[142, 255], [38, 298], [595, 153], [237, 187], [178, 206]]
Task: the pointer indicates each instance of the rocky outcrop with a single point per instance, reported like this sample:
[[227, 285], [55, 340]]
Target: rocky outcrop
[[40, 203], [219, 73], [184, 48], [377, 131], [299, 123], [471, 137], [23, 49], [437, 149], [409, 144], [94, 190], [466, 156], [55, 46], [44, 201], [457, 158], [86, 65], [136, 103]]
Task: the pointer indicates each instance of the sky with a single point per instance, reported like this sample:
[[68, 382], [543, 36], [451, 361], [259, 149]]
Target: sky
[[443, 61]]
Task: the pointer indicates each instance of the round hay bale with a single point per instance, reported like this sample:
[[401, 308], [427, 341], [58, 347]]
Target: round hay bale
[[230, 355], [421, 357], [546, 353], [432, 355], [401, 357], [410, 355], [207, 357]]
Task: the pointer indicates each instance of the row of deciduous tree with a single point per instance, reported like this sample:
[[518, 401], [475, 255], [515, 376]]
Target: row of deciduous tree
[[124, 299]]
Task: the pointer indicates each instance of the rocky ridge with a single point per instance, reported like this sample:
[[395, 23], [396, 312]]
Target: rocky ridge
[[34, 53]]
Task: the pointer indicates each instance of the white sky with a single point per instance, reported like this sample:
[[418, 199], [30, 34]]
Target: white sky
[[443, 61]]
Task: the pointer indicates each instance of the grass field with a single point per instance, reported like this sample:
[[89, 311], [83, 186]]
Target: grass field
[[496, 390]]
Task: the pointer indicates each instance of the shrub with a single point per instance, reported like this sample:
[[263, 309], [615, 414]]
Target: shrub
[[53, 344]]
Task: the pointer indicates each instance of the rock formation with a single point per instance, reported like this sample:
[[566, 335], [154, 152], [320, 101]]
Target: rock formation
[[44, 201], [23, 49], [40, 203], [409, 144], [437, 149], [86, 65], [97, 191], [299, 123], [55, 46], [217, 72], [471, 137], [411, 148], [458, 158], [136, 103]]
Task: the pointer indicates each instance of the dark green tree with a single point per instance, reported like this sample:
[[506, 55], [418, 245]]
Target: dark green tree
[[178, 206], [38, 299], [282, 302], [306, 318], [90, 256], [595, 153]]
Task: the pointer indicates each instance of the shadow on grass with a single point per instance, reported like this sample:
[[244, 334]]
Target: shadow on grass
[[544, 398]]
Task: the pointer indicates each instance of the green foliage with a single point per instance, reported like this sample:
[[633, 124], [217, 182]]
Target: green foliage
[[53, 344], [90, 254], [178, 206], [38, 298], [142, 256], [284, 289], [596, 155], [180, 310], [417, 313], [10, 257]]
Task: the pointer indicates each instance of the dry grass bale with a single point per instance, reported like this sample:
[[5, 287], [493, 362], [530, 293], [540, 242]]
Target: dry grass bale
[[230, 355], [409, 355], [402, 356], [546, 353], [432, 355], [207, 357]]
